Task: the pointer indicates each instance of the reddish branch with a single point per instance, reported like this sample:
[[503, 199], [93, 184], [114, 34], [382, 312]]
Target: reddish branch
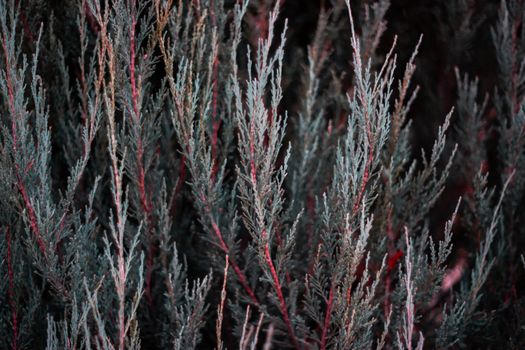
[[20, 184], [392, 261], [391, 264], [19, 181], [144, 200], [25, 24], [238, 272], [278, 290], [327, 318], [91, 20], [11, 291], [268, 257], [31, 213]]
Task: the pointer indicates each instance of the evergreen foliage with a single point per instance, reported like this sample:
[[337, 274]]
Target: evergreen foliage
[[183, 174]]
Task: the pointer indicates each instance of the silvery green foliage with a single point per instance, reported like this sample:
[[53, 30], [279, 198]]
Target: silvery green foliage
[[163, 148]]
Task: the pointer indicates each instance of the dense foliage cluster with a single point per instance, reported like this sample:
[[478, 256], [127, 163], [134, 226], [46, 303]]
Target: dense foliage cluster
[[215, 174]]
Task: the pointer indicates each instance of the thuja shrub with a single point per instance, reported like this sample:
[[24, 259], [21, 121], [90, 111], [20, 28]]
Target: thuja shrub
[[176, 174]]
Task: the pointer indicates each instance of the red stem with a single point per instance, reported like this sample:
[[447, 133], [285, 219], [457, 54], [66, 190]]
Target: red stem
[[20, 184], [278, 290], [25, 24], [268, 257], [144, 200], [238, 272], [92, 22], [31, 213]]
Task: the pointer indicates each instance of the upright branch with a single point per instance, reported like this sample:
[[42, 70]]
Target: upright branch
[[120, 275], [260, 140], [201, 161], [409, 315], [120, 269], [18, 118], [370, 111], [146, 204]]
